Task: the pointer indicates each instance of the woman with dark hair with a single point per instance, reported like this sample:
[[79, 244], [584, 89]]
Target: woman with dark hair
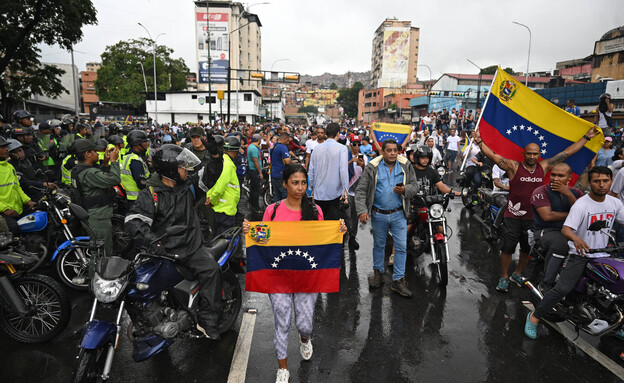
[[618, 160], [297, 206], [604, 114]]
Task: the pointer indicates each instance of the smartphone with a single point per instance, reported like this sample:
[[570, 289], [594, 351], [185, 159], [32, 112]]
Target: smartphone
[[400, 184], [361, 156]]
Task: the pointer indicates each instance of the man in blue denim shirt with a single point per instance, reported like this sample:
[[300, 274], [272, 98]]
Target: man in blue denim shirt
[[383, 195]]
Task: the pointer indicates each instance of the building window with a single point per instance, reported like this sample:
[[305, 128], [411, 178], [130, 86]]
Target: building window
[[194, 97], [247, 97]]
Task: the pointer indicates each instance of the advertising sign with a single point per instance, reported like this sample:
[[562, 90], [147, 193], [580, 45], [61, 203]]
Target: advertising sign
[[609, 46], [395, 57], [214, 46]]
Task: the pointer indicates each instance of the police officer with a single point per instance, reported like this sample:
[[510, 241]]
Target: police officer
[[168, 200], [116, 141], [47, 144], [67, 134], [134, 172], [12, 197], [68, 164], [225, 194], [83, 131], [94, 185], [26, 173]]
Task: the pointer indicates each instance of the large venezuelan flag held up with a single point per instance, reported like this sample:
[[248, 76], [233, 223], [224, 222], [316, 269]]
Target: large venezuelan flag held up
[[383, 131], [293, 257], [515, 116]]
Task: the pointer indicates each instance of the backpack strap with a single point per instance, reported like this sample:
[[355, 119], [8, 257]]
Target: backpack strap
[[275, 209]]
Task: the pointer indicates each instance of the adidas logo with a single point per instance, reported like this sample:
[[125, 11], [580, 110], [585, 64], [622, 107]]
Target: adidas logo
[[531, 179]]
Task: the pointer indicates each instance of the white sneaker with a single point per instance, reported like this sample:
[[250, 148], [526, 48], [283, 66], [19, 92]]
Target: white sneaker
[[306, 349], [391, 260], [282, 376]]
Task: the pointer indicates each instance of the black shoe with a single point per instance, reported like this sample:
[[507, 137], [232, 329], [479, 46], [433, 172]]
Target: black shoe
[[375, 280], [400, 286], [353, 244], [543, 287], [209, 332]]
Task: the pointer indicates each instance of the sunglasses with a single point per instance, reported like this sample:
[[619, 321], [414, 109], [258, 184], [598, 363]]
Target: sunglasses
[[355, 143]]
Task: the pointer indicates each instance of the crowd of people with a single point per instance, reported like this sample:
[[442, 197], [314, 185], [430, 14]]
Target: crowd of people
[[192, 174]]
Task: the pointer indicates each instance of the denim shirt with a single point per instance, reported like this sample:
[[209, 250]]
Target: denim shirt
[[385, 197]]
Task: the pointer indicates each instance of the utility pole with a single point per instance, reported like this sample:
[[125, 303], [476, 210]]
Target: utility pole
[[76, 103], [209, 63]]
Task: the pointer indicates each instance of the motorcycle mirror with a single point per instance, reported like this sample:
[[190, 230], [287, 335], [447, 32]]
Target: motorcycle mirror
[[597, 226], [465, 192], [175, 230]]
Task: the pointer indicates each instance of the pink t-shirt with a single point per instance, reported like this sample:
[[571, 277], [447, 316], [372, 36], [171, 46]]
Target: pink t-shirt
[[285, 214]]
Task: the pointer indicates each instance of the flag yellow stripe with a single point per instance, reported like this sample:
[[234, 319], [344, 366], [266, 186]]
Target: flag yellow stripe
[[543, 113], [391, 128], [296, 233]]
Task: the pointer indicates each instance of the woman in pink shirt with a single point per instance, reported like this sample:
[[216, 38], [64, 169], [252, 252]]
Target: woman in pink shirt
[[297, 206]]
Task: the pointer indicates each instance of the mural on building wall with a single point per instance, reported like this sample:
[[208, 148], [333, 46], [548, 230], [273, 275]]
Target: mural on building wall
[[216, 46], [395, 57]]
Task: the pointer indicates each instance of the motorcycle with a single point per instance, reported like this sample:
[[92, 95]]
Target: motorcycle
[[487, 216], [53, 227], [162, 305], [33, 307], [595, 304], [434, 237]]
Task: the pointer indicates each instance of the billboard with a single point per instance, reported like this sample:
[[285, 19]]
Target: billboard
[[215, 46], [396, 45], [609, 46]]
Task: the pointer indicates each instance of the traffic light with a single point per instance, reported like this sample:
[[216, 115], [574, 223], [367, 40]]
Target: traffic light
[[257, 75], [294, 77], [220, 94]]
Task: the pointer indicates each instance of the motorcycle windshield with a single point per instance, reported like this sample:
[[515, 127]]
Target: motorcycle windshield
[[112, 267]]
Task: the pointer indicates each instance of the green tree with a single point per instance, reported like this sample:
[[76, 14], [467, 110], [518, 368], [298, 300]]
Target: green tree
[[348, 99], [308, 109], [333, 86], [25, 25], [492, 69], [120, 78]]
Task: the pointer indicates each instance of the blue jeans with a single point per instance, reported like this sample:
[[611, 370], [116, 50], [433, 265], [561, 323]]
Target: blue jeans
[[397, 225], [279, 191]]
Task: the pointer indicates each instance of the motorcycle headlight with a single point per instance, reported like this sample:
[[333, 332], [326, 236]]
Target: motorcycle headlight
[[441, 171], [107, 291], [436, 210]]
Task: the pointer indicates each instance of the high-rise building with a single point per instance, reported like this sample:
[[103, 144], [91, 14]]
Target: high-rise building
[[395, 54], [87, 86], [230, 36]]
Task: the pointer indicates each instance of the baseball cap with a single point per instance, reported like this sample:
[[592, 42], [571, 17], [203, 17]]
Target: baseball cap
[[82, 145], [608, 138]]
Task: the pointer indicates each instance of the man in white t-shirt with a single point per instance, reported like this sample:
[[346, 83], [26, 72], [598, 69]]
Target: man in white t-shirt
[[593, 207], [501, 181], [452, 146], [311, 143]]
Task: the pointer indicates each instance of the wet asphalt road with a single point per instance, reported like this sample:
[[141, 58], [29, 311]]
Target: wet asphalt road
[[468, 333]]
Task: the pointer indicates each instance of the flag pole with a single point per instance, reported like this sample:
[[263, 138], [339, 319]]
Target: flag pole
[[469, 149]]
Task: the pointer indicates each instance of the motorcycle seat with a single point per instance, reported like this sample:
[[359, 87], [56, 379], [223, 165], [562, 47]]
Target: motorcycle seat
[[218, 247]]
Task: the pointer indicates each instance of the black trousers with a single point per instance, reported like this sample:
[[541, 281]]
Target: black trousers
[[202, 266], [573, 268], [353, 219], [254, 188], [331, 209], [223, 222]]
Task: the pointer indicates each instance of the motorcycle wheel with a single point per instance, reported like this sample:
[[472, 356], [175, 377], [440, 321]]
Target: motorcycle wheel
[[267, 197], [69, 266], [232, 299], [122, 241], [48, 306], [468, 201], [90, 366], [442, 266]]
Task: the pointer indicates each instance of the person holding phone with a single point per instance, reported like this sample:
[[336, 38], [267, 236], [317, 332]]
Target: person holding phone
[[383, 195], [357, 162]]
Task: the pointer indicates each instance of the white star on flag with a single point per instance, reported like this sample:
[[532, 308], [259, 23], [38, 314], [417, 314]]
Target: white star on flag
[[529, 128], [536, 132], [298, 252], [314, 265], [544, 144], [283, 255], [514, 127], [541, 138], [311, 258], [277, 259], [274, 265], [521, 127], [508, 131], [544, 151], [290, 252]]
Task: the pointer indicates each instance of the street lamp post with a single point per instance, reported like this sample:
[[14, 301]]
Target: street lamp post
[[526, 77], [155, 87], [272, 65], [478, 85], [144, 82]]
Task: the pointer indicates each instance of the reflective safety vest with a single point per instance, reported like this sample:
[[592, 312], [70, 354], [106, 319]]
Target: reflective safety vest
[[127, 181], [66, 170], [44, 143], [123, 151]]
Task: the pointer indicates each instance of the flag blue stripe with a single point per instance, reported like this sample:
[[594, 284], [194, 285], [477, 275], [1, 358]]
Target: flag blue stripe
[[381, 136], [264, 257], [503, 119]]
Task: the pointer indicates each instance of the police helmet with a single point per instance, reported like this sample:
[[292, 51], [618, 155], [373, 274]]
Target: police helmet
[[3, 141], [14, 144], [67, 120], [169, 157], [21, 113], [54, 123], [219, 140], [100, 144], [115, 140], [232, 144], [137, 137]]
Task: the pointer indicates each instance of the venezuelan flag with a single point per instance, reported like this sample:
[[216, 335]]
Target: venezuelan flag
[[383, 131], [514, 116], [293, 257]]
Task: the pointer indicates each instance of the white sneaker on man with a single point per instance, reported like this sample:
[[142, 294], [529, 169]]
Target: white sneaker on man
[[306, 349], [282, 376], [391, 260]]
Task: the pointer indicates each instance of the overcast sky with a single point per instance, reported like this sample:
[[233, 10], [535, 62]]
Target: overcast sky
[[336, 36]]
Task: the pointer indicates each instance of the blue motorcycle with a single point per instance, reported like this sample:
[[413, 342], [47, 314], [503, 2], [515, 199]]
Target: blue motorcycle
[[161, 304], [53, 227], [491, 202]]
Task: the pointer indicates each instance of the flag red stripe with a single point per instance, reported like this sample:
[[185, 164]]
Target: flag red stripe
[[501, 145], [293, 281]]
